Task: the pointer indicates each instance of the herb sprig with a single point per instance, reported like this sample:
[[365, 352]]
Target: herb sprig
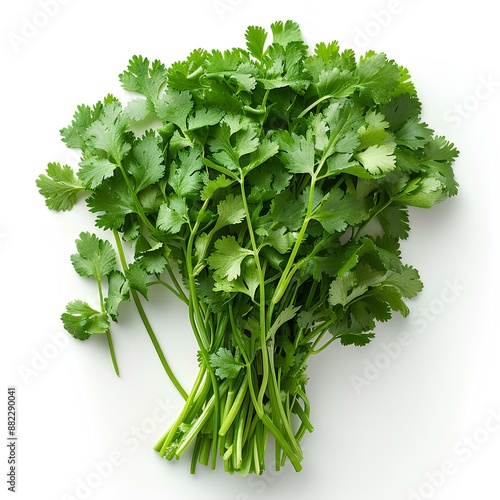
[[271, 200]]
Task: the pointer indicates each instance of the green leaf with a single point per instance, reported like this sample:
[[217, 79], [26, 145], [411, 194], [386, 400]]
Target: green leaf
[[95, 257], [221, 182], [336, 83], [280, 239], [204, 117], [94, 170], [137, 278], [154, 261], [60, 187], [74, 134], [138, 109], [82, 321], [231, 211], [395, 221], [359, 339], [107, 133], [377, 160], [172, 215], [118, 292], [414, 134], [143, 77], [112, 202], [227, 258], [147, 166], [378, 78], [224, 364], [256, 39], [400, 110], [340, 287], [439, 154], [407, 282], [338, 210], [266, 150], [298, 153], [283, 317], [174, 106], [284, 33], [185, 179]]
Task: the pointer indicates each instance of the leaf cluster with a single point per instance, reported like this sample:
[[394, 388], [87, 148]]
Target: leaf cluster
[[276, 188]]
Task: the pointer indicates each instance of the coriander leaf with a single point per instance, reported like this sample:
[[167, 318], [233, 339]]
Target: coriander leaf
[[147, 165], [336, 83], [95, 257], [343, 119], [142, 77], [112, 202], [338, 210], [414, 134], [284, 316], [60, 187], [280, 239], [439, 154], [297, 153], [266, 150], [204, 117], [284, 33], [231, 211], [395, 221], [356, 338], [154, 261], [227, 258], [233, 139], [426, 192], [174, 106], [401, 109], [94, 170], [118, 291], [377, 160], [288, 211], [107, 133], [74, 134], [378, 78], [213, 185], [82, 321], [138, 109], [224, 364], [340, 287], [137, 278], [172, 215], [185, 178], [256, 39], [407, 282]]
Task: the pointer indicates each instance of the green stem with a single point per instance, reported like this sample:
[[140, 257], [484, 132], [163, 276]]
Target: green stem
[[183, 298], [137, 203], [146, 322], [262, 298], [156, 345], [108, 333], [313, 105], [372, 216]]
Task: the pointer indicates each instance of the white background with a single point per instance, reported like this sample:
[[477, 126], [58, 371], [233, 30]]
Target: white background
[[377, 440]]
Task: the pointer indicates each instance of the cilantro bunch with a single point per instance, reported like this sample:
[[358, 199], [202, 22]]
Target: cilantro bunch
[[266, 188]]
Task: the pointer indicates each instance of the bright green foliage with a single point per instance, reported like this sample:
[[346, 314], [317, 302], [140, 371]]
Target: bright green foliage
[[95, 257], [60, 187], [82, 321], [271, 199]]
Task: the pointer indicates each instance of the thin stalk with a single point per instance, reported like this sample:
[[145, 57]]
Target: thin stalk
[[262, 298], [171, 289], [108, 333], [147, 324]]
